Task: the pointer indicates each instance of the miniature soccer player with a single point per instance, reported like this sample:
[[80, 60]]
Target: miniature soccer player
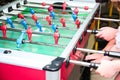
[[77, 22], [9, 21], [48, 19], [29, 32], [3, 28], [24, 23], [62, 20], [56, 36], [39, 26]]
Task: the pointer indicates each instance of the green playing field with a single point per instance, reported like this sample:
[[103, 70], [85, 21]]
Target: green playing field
[[66, 33]]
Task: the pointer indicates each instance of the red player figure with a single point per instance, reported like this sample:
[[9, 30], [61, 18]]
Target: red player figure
[[29, 32], [50, 8], [3, 28], [48, 19], [43, 4], [34, 17], [76, 10], [56, 36], [86, 7], [77, 22], [20, 15], [64, 5], [62, 20]]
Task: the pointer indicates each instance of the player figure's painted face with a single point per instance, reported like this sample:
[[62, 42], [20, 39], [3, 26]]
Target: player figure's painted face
[[116, 3]]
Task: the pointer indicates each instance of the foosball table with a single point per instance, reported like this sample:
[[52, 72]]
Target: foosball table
[[36, 37]]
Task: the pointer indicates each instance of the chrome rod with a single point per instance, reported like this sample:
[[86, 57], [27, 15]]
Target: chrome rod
[[39, 33], [43, 25], [107, 19], [32, 42], [90, 51], [86, 64]]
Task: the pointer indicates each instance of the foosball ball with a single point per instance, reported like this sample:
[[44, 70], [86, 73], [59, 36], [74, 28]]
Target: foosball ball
[[36, 37]]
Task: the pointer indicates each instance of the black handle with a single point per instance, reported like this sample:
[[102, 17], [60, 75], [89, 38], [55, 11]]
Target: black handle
[[94, 65], [101, 1], [112, 54]]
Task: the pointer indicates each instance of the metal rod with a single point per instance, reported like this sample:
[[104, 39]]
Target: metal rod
[[39, 17], [113, 54], [39, 33], [43, 25], [86, 64], [46, 44], [70, 11], [57, 5], [79, 63], [90, 51], [107, 19], [93, 31], [32, 42], [64, 15]]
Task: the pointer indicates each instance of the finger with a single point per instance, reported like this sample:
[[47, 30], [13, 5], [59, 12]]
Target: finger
[[99, 34], [96, 61], [89, 58], [91, 69]]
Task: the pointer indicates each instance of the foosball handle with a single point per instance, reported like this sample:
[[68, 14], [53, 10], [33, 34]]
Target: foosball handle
[[101, 1], [81, 63], [112, 54], [94, 65]]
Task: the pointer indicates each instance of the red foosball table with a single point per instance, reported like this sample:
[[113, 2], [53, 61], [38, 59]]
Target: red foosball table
[[36, 37]]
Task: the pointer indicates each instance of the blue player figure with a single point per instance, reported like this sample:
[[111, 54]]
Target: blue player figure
[[24, 23], [9, 21], [39, 26], [54, 27], [52, 14], [20, 39], [74, 16], [32, 11]]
